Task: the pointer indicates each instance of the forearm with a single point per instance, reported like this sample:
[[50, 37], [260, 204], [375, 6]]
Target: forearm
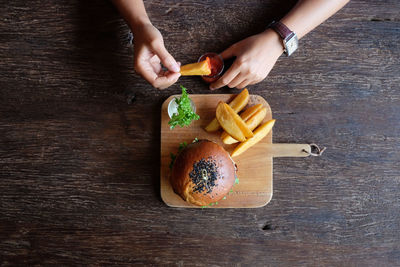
[[308, 14], [134, 13]]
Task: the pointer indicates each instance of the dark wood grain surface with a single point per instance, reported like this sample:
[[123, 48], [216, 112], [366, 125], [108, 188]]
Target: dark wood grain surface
[[79, 165]]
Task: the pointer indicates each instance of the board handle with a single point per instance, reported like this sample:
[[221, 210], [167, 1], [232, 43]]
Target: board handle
[[293, 150]]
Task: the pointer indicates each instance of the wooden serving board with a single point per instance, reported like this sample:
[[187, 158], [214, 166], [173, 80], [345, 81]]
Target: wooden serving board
[[254, 166]]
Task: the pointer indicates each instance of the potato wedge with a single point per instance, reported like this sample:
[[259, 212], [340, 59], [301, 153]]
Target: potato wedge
[[226, 138], [228, 123], [242, 125], [245, 115], [256, 119], [259, 134], [240, 101], [237, 104], [198, 68], [229, 115], [251, 122]]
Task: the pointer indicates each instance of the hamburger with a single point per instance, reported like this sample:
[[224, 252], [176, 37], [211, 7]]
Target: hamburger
[[203, 173]]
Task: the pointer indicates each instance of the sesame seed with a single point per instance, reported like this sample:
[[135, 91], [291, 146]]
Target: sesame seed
[[204, 175]]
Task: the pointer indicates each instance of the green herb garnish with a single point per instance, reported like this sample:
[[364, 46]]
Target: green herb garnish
[[173, 156], [182, 146], [185, 114]]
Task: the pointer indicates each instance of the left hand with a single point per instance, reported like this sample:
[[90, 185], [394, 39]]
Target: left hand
[[255, 57], [150, 52]]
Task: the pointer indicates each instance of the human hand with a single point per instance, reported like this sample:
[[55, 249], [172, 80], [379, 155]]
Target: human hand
[[149, 53], [255, 57]]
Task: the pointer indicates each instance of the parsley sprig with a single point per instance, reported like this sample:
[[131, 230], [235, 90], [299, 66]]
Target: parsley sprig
[[185, 114]]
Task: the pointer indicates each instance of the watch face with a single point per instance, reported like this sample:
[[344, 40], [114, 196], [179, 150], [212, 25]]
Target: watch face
[[291, 43]]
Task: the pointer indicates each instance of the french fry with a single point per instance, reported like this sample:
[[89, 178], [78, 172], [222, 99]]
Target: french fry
[[228, 123], [252, 122], [231, 121], [239, 122], [226, 138], [198, 68], [259, 134], [245, 115], [237, 104], [256, 119]]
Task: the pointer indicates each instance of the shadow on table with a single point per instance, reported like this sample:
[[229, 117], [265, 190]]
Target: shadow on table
[[104, 63], [103, 50]]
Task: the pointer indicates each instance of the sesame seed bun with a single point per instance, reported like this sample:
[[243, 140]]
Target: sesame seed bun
[[203, 173]]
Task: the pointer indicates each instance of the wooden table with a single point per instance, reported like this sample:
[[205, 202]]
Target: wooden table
[[79, 166]]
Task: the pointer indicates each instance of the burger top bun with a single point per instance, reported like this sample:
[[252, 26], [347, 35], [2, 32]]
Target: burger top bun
[[203, 173]]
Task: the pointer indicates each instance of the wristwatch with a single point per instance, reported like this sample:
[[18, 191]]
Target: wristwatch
[[290, 40]]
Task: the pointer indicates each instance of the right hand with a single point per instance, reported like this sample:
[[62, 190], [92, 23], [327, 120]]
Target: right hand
[[255, 57], [149, 53]]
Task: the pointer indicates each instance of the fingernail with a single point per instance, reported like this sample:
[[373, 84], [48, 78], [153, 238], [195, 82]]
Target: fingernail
[[175, 67], [212, 88]]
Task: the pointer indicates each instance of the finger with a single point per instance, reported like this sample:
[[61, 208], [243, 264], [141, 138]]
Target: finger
[[167, 60], [147, 72], [243, 84], [155, 59], [228, 53], [155, 63], [158, 80], [169, 79], [229, 75], [256, 81], [237, 80]]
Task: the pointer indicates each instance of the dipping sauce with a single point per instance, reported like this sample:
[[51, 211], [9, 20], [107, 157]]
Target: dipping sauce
[[217, 66]]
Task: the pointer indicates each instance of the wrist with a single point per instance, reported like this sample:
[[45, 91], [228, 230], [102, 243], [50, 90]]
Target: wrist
[[137, 23], [274, 40], [289, 38]]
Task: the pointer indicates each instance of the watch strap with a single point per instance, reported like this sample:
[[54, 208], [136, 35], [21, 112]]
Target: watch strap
[[281, 29]]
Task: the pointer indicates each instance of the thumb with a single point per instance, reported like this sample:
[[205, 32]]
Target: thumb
[[166, 59], [228, 53]]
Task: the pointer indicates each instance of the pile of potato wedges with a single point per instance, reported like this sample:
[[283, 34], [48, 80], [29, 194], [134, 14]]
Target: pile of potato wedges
[[243, 128]]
